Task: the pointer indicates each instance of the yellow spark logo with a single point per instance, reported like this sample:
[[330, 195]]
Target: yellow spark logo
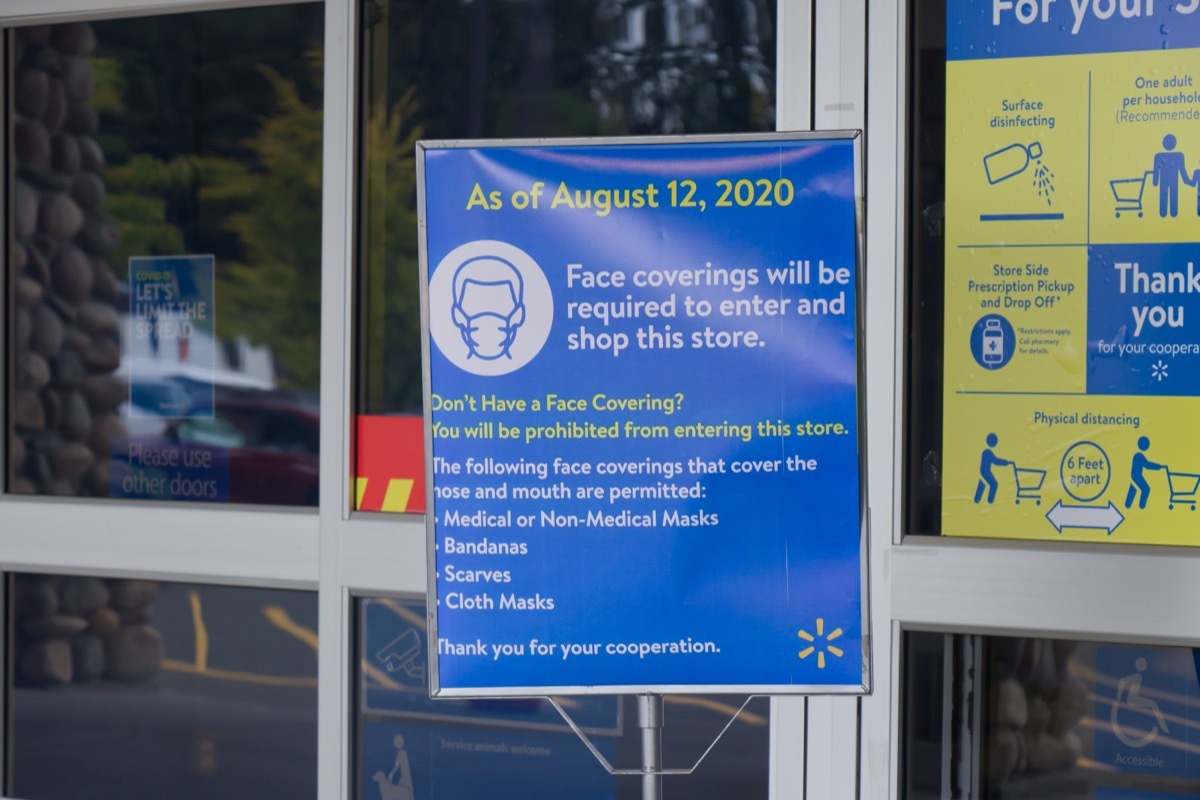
[[825, 646]]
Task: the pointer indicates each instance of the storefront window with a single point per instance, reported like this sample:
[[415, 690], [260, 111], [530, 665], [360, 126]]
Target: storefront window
[[1003, 717], [505, 69], [416, 748], [164, 234], [1053, 158], [139, 688]]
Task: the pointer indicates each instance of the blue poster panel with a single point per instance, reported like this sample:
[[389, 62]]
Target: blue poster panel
[[172, 319], [1145, 699], [644, 416], [414, 760], [171, 335]]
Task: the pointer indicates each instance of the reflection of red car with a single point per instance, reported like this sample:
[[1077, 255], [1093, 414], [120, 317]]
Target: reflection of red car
[[273, 446]]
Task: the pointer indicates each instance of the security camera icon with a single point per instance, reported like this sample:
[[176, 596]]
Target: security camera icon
[[403, 654]]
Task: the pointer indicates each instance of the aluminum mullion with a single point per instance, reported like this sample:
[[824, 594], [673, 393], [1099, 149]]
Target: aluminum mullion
[[335, 673], [793, 65], [206, 545], [788, 748], [884, 70], [840, 83], [839, 100], [1095, 592], [793, 112], [831, 760], [384, 553]]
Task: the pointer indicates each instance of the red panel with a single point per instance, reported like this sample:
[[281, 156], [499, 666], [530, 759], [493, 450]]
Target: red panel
[[391, 448]]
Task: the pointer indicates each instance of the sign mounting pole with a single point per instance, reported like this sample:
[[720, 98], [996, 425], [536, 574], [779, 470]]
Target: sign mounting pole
[[650, 720]]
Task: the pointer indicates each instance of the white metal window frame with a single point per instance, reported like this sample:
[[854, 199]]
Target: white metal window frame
[[340, 554]]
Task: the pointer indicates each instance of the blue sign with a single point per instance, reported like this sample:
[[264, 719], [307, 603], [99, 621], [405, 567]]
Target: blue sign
[[160, 468], [171, 332], [1017, 28], [421, 761], [1108, 793], [1144, 702], [1139, 297], [644, 416]]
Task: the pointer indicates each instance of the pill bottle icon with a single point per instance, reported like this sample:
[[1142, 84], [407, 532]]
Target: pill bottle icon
[[1010, 161], [993, 342]]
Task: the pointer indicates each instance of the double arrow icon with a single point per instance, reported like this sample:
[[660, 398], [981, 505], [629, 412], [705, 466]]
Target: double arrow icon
[[1096, 517]]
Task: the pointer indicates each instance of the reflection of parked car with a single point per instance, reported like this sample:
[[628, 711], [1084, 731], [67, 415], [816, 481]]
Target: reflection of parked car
[[270, 441], [153, 403]]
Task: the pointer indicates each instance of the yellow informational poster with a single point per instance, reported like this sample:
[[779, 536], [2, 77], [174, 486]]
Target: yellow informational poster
[[1072, 333]]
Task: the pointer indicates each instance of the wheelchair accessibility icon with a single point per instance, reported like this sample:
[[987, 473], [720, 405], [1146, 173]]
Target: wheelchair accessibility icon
[[1129, 697]]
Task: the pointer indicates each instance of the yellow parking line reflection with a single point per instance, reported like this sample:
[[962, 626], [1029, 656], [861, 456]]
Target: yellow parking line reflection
[[201, 632], [402, 612], [172, 665], [278, 616]]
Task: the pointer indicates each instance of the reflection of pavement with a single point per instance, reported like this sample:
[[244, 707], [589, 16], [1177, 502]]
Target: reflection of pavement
[[242, 724], [107, 742], [239, 636]]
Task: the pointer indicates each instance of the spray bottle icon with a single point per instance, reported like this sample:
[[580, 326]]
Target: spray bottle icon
[[1010, 161]]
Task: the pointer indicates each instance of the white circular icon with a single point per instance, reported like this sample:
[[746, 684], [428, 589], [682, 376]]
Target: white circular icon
[[490, 307]]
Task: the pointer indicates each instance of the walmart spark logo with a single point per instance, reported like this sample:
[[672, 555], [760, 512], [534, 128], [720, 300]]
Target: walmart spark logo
[[824, 647]]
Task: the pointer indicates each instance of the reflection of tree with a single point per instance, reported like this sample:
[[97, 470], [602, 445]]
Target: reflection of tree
[[273, 292], [270, 200], [137, 201], [212, 131], [390, 241]]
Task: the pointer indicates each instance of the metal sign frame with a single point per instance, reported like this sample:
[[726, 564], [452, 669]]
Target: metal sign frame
[[436, 690]]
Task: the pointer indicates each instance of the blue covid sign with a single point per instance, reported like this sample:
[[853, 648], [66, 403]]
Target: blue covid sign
[[644, 416]]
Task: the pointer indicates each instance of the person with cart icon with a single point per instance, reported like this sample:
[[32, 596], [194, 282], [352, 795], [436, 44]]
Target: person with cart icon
[[988, 460], [1138, 485]]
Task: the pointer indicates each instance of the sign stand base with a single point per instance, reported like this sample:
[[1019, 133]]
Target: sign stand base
[[650, 721]]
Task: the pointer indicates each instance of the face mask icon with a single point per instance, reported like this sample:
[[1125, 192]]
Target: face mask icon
[[489, 306]]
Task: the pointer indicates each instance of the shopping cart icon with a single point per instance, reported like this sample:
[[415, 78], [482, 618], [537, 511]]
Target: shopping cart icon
[[1029, 483], [1183, 486], [1128, 193]]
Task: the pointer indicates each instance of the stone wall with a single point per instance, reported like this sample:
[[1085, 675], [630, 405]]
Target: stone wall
[[76, 629], [1038, 701], [66, 346]]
